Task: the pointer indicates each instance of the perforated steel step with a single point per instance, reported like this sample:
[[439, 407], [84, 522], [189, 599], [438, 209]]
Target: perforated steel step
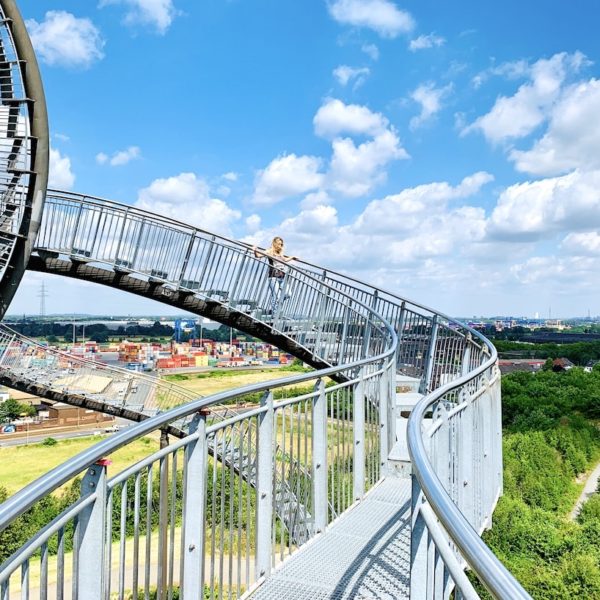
[[364, 555]]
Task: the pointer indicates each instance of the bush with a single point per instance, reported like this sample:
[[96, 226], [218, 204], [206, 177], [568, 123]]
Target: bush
[[49, 441]]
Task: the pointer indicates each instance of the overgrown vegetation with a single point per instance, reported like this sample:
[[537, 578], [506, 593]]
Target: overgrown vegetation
[[549, 438], [580, 353]]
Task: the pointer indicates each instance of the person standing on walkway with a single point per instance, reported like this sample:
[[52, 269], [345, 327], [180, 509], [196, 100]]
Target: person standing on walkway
[[277, 271]]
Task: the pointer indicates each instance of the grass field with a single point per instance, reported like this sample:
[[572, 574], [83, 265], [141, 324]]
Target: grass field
[[20, 465], [205, 384]]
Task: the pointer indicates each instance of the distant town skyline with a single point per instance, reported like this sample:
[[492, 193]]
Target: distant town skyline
[[446, 152]]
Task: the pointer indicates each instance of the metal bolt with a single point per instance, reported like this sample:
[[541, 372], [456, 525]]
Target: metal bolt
[[92, 471], [192, 547], [92, 484], [465, 482], [263, 495]]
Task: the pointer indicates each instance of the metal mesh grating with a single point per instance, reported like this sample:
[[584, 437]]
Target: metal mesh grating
[[364, 555]]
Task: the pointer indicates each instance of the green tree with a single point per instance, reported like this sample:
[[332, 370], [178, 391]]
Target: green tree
[[12, 409]]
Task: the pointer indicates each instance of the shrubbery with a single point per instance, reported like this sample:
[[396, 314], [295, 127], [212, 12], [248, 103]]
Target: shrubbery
[[549, 439]]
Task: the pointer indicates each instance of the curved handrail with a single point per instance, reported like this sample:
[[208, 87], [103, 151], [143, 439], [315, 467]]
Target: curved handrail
[[25, 172], [20, 502], [492, 573]]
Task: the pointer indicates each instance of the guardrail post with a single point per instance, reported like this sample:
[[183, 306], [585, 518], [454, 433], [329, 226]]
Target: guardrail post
[[384, 419], [319, 456], [196, 458], [429, 357], [466, 458], [91, 553], [358, 413], [264, 487], [419, 541], [163, 521]]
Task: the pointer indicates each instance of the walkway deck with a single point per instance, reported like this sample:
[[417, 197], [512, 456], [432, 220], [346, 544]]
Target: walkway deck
[[365, 554]]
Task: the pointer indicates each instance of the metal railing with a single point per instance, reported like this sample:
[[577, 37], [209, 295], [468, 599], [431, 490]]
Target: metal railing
[[87, 383], [324, 318], [180, 518], [23, 150]]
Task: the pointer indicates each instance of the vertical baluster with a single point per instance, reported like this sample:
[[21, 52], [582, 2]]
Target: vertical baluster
[[264, 488], [196, 458], [92, 534], [359, 438]]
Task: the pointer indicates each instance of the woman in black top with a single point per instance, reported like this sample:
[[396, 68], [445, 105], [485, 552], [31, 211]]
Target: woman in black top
[[276, 272]]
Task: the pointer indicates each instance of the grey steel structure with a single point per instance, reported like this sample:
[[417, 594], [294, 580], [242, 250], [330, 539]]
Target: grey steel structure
[[309, 493], [24, 150]]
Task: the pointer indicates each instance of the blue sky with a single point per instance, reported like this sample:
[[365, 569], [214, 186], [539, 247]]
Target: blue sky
[[445, 151]]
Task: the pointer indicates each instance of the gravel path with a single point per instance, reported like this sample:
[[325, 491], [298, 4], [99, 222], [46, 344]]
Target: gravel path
[[589, 489]]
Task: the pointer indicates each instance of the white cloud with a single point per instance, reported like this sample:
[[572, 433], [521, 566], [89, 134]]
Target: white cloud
[[334, 118], [382, 16], [509, 70], [156, 13], [539, 209], [430, 98], [60, 175], [516, 116], [62, 137], [355, 170], [560, 272], [314, 199], [345, 74], [230, 176], [122, 157], [371, 50], [573, 137], [404, 212], [418, 226], [426, 41], [253, 223], [286, 176], [186, 197], [65, 40], [587, 243]]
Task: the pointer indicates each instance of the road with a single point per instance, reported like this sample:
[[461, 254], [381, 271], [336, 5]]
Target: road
[[22, 439]]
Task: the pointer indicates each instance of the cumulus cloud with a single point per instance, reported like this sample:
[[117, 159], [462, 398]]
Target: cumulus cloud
[[430, 99], [253, 223], [426, 41], [509, 70], [334, 118], [230, 176], [573, 136], [60, 175], [122, 157], [558, 271], [286, 176], [62, 39], [314, 199], [158, 14], [355, 170], [419, 226], [516, 116], [383, 16], [403, 212], [345, 74], [539, 209], [587, 243], [187, 198], [371, 50]]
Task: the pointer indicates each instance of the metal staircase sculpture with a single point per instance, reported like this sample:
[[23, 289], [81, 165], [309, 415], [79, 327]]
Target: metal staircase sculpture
[[326, 457]]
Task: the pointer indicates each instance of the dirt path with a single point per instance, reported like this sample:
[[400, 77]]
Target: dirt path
[[589, 489]]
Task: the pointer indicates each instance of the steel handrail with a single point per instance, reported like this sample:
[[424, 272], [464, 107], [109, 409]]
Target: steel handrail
[[20, 502], [488, 568]]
